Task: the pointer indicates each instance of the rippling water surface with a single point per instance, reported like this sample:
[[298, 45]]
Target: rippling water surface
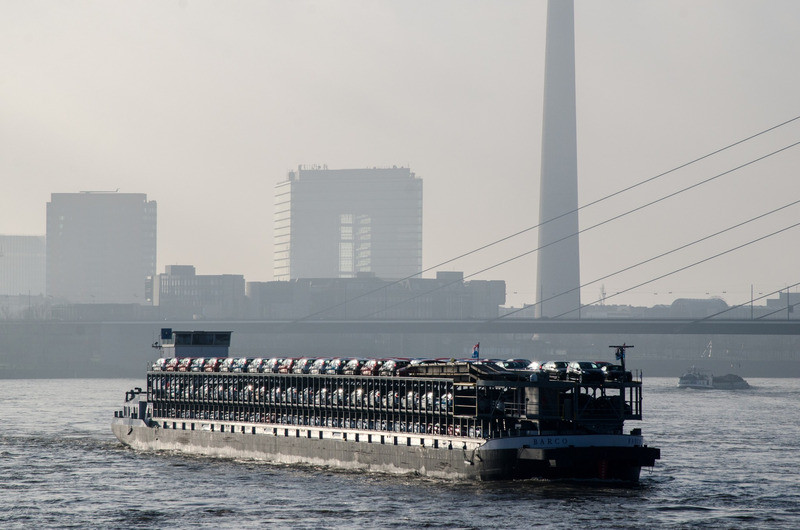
[[728, 459]]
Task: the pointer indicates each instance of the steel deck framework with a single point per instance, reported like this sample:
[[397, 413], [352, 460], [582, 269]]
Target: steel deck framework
[[455, 406]]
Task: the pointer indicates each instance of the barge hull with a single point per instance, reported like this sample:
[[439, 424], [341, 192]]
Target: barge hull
[[449, 459], [293, 449]]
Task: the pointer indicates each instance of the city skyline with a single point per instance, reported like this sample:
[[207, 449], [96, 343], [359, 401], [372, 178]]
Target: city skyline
[[204, 108]]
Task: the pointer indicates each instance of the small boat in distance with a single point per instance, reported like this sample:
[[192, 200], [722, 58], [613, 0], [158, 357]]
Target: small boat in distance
[[695, 378], [730, 382], [701, 379]]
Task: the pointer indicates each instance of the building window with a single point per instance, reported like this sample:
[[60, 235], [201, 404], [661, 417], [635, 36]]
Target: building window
[[363, 248], [346, 259]]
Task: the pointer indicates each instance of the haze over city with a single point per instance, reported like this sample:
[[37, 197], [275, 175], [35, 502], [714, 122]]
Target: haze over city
[[205, 106]]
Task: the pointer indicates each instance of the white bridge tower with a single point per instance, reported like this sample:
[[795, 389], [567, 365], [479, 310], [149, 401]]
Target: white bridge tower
[[558, 268]]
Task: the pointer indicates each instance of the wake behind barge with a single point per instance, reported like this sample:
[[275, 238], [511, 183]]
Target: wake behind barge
[[451, 420]]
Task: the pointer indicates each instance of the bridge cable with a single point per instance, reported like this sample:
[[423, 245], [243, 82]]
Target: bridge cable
[[681, 269], [743, 304], [525, 230], [782, 309], [601, 223], [630, 267]]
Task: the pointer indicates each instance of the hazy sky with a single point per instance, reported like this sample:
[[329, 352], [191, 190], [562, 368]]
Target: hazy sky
[[204, 106]]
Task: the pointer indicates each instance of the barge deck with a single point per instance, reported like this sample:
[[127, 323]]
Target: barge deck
[[450, 420]]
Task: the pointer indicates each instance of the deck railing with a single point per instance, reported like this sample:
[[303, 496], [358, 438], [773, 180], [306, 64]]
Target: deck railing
[[402, 404]]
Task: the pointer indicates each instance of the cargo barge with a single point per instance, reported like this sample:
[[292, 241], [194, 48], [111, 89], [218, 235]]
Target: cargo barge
[[443, 419]]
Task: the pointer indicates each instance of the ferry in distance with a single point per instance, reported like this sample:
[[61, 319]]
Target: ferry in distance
[[704, 380]]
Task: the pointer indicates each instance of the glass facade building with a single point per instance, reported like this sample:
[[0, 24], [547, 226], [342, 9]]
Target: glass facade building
[[342, 223]]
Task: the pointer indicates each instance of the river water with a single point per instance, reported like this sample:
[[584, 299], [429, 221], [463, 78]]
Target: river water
[[728, 459]]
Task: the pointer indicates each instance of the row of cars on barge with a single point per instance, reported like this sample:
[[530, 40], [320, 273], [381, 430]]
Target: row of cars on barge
[[582, 371], [445, 418]]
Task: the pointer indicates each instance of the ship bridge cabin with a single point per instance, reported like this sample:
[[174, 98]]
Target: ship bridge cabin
[[181, 344]]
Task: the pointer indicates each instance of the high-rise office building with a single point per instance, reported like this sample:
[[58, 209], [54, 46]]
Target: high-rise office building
[[101, 247], [22, 265], [344, 223]]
